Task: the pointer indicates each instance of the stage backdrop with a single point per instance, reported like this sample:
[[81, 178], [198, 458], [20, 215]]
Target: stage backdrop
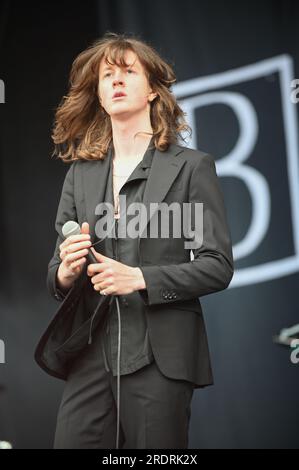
[[234, 63]]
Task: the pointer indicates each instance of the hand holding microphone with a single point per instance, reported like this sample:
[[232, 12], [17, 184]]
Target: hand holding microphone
[[115, 278], [74, 252]]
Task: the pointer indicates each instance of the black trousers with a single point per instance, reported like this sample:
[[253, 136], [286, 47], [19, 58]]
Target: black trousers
[[154, 409]]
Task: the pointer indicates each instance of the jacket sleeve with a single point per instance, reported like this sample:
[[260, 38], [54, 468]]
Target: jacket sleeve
[[66, 211], [212, 268]]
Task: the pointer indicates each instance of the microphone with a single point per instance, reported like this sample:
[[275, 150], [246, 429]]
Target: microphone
[[73, 228]]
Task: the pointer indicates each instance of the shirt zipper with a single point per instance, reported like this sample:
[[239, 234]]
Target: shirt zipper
[[115, 256]]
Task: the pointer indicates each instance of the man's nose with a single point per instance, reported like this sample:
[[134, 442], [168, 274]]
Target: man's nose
[[117, 82], [118, 79]]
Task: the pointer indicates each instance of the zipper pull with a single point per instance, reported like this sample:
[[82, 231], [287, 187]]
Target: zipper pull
[[116, 229]]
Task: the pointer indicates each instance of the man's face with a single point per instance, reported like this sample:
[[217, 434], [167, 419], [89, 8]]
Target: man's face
[[131, 81]]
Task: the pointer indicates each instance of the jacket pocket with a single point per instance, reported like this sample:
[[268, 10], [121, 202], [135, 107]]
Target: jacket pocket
[[193, 305]]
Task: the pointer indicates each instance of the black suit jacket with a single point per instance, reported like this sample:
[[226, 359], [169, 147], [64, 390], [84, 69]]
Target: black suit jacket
[[174, 281]]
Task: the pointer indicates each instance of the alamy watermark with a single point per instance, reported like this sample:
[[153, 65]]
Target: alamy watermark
[[295, 93], [2, 352], [176, 221], [295, 352]]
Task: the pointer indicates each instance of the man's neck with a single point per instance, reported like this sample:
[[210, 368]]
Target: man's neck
[[128, 145]]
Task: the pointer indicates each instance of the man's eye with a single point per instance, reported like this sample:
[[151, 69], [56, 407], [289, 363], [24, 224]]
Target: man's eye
[[109, 73]]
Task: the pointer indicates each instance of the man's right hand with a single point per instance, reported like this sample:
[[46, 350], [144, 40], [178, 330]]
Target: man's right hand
[[73, 253]]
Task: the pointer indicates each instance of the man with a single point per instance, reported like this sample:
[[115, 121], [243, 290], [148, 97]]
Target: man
[[123, 143]]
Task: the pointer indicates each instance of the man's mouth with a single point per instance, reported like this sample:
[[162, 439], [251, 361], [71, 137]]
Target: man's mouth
[[119, 94]]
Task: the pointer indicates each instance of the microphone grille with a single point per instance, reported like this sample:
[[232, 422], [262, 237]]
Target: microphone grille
[[71, 228]]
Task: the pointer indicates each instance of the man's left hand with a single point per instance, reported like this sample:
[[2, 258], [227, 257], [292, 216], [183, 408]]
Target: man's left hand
[[113, 277]]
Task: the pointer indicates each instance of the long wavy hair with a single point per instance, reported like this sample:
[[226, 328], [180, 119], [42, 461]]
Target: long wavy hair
[[82, 128]]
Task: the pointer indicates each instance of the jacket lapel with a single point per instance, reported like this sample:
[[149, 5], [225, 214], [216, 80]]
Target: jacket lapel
[[94, 180], [165, 168]]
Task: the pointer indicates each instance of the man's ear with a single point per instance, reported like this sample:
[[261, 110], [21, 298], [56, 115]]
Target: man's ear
[[152, 96]]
